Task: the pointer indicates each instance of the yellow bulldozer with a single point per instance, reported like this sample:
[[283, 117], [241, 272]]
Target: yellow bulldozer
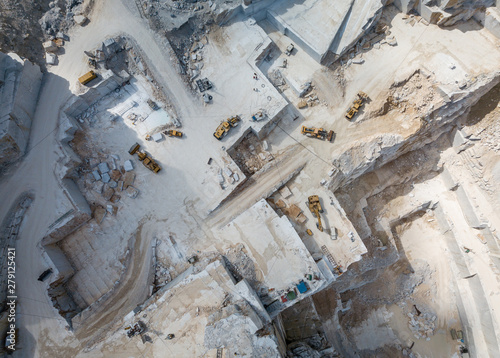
[[356, 105], [316, 209], [145, 158]]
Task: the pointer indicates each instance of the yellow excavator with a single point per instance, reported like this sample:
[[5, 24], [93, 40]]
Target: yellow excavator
[[316, 209], [146, 160]]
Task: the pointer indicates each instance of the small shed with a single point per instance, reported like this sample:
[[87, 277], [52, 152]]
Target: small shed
[[157, 137]]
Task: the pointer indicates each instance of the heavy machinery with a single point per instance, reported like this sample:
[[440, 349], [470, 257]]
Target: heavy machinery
[[222, 130], [224, 127], [259, 116], [233, 121], [135, 329], [173, 133], [86, 78], [152, 104], [146, 160], [319, 133], [356, 105], [316, 209], [92, 62], [204, 84]]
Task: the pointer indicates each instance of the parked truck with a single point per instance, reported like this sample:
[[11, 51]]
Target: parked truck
[[225, 126], [145, 158], [86, 78]]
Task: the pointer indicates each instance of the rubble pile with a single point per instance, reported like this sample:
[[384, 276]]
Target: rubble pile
[[234, 326], [172, 14], [374, 38], [445, 13], [251, 154], [20, 31], [414, 94], [422, 325], [109, 184], [60, 15]]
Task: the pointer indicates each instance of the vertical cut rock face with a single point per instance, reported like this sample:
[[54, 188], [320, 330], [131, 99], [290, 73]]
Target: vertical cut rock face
[[445, 12], [20, 82], [372, 152]]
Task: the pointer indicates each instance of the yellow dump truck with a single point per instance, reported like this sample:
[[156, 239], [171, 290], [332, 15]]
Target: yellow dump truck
[[86, 78]]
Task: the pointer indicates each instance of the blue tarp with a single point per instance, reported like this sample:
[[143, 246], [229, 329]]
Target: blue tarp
[[302, 287]]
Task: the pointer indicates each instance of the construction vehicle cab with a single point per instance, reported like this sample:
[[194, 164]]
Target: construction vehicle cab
[[86, 78], [350, 113], [316, 209]]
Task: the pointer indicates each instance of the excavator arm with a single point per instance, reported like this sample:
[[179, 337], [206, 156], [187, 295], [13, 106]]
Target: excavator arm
[[319, 225]]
